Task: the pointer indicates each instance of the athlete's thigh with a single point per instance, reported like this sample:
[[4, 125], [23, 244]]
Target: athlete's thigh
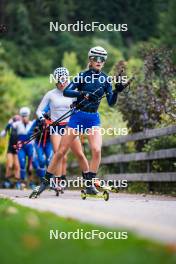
[[95, 138], [68, 138], [22, 158], [29, 150], [55, 140]]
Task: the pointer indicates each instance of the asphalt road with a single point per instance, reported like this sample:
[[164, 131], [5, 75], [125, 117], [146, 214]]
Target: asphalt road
[[149, 216]]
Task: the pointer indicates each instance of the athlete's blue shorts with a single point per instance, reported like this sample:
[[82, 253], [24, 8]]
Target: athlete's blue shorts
[[81, 120]]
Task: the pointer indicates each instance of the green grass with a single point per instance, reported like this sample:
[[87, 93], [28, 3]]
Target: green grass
[[24, 238]]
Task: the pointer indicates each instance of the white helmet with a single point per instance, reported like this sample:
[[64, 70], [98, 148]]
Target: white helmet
[[25, 111], [97, 51], [61, 72]]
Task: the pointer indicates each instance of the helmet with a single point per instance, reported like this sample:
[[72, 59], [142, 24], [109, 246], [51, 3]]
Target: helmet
[[25, 111], [61, 72], [97, 51]]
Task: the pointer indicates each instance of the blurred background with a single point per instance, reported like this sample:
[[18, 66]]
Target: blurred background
[[29, 52]]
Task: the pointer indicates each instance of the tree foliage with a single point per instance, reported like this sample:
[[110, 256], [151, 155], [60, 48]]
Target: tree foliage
[[151, 92]]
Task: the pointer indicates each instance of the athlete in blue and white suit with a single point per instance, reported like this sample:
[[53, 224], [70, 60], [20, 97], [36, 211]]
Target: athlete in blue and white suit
[[22, 129], [43, 150]]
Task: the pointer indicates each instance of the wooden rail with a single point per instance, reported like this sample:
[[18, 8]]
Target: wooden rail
[[147, 134], [158, 154], [140, 156]]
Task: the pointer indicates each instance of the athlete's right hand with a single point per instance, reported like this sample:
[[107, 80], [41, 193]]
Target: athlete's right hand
[[19, 145], [42, 122], [84, 95]]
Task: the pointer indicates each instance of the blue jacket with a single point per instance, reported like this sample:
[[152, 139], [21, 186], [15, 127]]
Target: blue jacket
[[99, 85]]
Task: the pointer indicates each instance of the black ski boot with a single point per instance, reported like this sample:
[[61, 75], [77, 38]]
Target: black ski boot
[[90, 188], [44, 184]]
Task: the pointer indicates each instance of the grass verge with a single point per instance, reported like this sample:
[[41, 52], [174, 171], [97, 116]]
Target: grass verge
[[24, 238]]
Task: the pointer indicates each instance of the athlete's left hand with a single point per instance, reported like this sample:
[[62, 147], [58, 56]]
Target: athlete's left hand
[[119, 87]]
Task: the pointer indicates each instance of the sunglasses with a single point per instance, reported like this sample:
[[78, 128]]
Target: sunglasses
[[98, 59]]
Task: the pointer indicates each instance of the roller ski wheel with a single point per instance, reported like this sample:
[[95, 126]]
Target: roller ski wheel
[[83, 194], [106, 195], [59, 191], [100, 195], [34, 194]]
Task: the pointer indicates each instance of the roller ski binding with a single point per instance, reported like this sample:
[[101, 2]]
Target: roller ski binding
[[38, 190], [91, 191], [109, 188]]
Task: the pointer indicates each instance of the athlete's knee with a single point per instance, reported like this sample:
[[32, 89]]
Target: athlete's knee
[[64, 159], [16, 167], [80, 155], [41, 162], [96, 151], [9, 166], [22, 164], [60, 153]]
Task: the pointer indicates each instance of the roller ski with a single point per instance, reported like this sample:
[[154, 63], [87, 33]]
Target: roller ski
[[91, 191], [42, 187], [106, 187], [57, 190], [102, 195]]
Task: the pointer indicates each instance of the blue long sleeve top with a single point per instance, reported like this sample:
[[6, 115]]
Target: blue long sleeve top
[[91, 81]]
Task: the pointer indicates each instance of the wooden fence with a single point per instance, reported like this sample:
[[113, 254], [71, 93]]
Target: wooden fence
[[120, 159]]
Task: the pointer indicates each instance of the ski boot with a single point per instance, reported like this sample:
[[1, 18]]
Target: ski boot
[[23, 185], [32, 185], [56, 185], [7, 184], [18, 185], [43, 186], [63, 183]]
